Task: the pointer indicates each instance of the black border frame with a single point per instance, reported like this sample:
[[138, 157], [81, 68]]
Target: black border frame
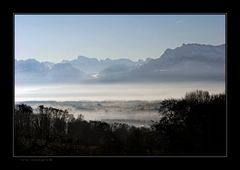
[[131, 6]]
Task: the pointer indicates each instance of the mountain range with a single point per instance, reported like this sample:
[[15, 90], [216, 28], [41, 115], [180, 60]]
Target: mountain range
[[189, 62]]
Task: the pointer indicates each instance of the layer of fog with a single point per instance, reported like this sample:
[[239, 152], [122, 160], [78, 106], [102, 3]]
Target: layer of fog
[[101, 92], [138, 113], [135, 104]]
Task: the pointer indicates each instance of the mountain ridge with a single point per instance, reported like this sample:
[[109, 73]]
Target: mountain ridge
[[189, 61]]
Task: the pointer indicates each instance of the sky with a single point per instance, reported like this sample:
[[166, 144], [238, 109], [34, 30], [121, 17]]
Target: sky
[[64, 37]]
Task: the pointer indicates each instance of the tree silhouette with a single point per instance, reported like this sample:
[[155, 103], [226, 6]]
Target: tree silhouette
[[196, 124], [193, 125]]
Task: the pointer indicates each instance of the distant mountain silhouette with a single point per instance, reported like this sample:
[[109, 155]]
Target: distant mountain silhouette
[[65, 72], [93, 65], [188, 62], [189, 54]]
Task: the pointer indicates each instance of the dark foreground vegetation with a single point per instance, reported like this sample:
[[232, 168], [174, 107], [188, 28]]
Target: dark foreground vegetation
[[194, 125]]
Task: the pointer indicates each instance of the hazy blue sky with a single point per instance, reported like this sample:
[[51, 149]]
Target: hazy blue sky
[[57, 37]]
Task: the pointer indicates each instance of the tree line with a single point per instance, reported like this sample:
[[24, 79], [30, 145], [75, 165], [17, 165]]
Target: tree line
[[192, 126]]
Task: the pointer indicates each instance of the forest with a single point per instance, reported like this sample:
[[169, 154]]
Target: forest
[[194, 125]]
